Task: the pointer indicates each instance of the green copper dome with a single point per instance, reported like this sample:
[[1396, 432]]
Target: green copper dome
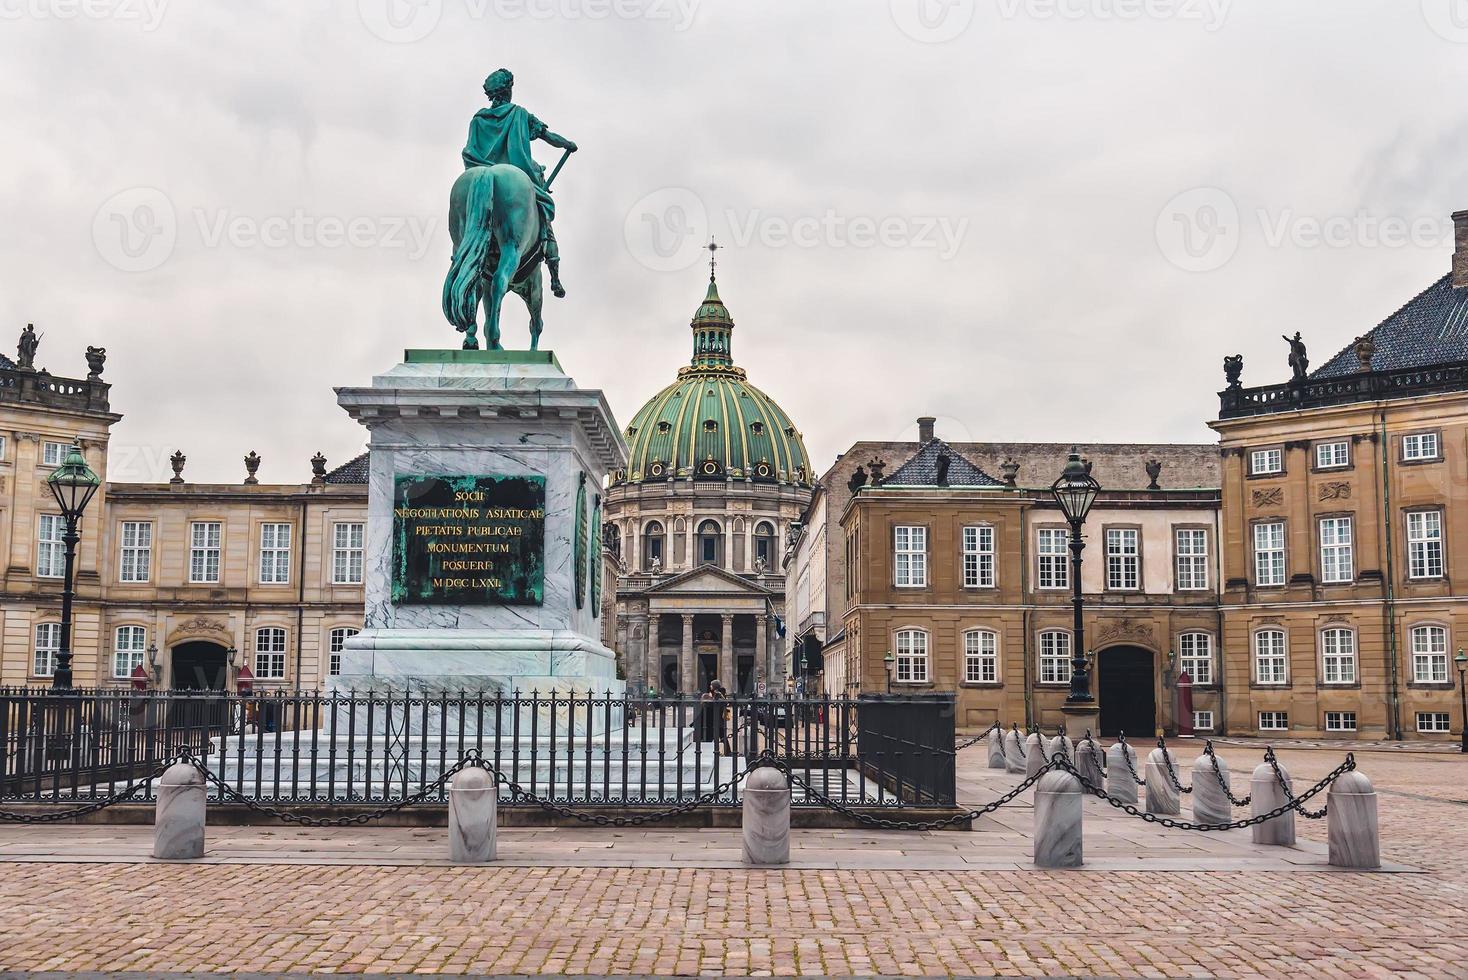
[[712, 424]]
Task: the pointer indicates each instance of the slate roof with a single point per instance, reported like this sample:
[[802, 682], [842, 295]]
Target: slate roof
[[922, 470], [1432, 328], [6, 363], [353, 471]]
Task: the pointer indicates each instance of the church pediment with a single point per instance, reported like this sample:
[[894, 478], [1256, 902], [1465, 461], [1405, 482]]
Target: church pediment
[[708, 580]]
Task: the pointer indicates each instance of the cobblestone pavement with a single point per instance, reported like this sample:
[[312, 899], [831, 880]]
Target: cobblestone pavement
[[120, 914]]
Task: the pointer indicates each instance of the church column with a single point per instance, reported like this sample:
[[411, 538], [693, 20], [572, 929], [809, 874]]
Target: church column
[[652, 662], [687, 674], [727, 672], [761, 649]]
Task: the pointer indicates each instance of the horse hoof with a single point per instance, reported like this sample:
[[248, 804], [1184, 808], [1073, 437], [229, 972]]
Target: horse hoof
[[471, 345], [558, 291]]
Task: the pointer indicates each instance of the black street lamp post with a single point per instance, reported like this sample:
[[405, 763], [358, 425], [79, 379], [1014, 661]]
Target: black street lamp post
[[1075, 492], [890, 663], [1462, 661], [73, 485]]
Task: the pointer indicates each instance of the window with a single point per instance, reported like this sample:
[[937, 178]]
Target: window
[[270, 653], [1052, 548], [1336, 564], [1340, 721], [1338, 656], [1271, 661], [1422, 445], [912, 656], [48, 643], [764, 544], [346, 553], [1429, 654], [2, 447], [1264, 461], [1269, 554], [1274, 721], [1054, 657], [978, 557], [652, 546], [1191, 554], [1332, 455], [275, 554], [128, 645], [53, 453], [1431, 722], [136, 564], [981, 657], [204, 539], [50, 549], [336, 643], [1203, 721], [910, 556], [1195, 656], [1123, 560], [710, 539], [1425, 544]]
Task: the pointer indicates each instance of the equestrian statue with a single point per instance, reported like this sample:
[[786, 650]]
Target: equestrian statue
[[500, 214]]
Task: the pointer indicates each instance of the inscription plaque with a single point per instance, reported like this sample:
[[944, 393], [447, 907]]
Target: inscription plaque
[[469, 540]]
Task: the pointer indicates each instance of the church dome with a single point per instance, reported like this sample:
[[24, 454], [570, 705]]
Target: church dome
[[712, 424]]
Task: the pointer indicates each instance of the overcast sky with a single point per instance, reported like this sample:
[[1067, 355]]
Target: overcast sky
[[1035, 219]]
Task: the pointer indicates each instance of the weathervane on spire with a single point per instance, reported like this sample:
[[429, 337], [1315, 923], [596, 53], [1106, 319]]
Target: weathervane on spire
[[713, 247]]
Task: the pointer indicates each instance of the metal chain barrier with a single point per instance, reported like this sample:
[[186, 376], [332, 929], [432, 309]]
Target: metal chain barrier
[[1126, 753], [1223, 783], [1285, 788], [1171, 769], [975, 740], [122, 796]]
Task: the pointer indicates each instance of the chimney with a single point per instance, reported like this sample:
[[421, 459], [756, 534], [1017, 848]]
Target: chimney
[[1460, 249], [925, 424]]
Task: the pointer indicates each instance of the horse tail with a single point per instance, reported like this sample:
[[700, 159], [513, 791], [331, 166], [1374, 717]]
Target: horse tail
[[462, 285]]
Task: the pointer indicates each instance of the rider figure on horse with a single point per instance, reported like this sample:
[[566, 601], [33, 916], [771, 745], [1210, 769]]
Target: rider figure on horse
[[503, 134]]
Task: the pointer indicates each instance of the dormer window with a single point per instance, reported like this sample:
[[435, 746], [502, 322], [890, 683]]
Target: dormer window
[[758, 428], [709, 425]]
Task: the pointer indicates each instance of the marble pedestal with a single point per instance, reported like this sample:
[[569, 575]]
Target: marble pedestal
[[486, 414]]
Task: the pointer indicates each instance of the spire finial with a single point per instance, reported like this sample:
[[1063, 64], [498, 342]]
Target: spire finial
[[713, 247]]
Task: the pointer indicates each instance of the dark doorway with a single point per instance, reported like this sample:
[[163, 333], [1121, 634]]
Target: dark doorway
[[670, 673], [708, 670], [745, 673], [1126, 687], [199, 666]]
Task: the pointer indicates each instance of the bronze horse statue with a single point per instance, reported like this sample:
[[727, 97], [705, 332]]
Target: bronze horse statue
[[495, 226]]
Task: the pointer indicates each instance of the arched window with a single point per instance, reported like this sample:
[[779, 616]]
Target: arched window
[[612, 540], [1271, 657], [1055, 657], [1195, 656], [336, 643], [764, 543], [1338, 655], [710, 543], [270, 653], [652, 546], [981, 657], [128, 644], [48, 642], [912, 657]]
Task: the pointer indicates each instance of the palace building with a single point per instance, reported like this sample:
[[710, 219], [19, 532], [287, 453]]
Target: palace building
[[717, 473], [190, 581]]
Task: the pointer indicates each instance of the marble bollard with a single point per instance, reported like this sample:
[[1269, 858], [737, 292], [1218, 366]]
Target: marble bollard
[[1268, 796], [996, 748], [1353, 832], [1058, 821], [1162, 795], [1014, 752], [1035, 758], [1090, 763], [473, 806], [178, 817], [1060, 743], [766, 817], [1120, 781], [1210, 801]]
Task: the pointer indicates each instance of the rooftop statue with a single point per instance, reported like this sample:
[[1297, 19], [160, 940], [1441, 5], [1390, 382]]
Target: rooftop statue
[[1299, 362], [26, 349], [500, 214]]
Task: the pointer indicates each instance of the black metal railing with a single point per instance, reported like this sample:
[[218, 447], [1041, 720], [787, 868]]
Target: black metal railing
[[1237, 402], [363, 747]]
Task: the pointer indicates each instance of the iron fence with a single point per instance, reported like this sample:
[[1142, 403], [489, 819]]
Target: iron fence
[[364, 747]]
